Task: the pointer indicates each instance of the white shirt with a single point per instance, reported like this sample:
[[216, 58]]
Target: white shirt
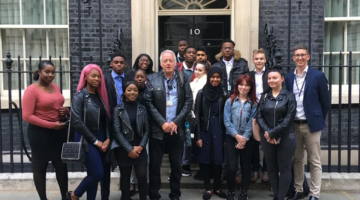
[[186, 67], [259, 89], [229, 65], [299, 90]]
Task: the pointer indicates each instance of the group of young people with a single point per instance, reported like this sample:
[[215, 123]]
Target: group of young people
[[133, 117]]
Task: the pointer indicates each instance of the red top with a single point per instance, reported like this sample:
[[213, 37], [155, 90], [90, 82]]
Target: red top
[[41, 108]]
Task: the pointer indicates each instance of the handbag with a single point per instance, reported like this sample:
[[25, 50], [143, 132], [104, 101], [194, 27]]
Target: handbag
[[72, 151]]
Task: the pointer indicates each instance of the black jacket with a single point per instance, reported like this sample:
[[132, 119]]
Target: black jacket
[[240, 67], [83, 108], [276, 115], [123, 131], [155, 98], [266, 87], [202, 113]]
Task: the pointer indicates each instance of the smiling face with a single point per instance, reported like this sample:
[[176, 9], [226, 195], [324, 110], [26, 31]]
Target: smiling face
[[168, 63], [131, 92], [200, 70], [47, 74], [118, 64], [215, 80], [93, 79], [275, 80], [140, 78], [144, 63], [244, 88], [301, 58], [259, 60]]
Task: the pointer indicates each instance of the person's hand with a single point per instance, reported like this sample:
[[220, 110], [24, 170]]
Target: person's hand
[[166, 127], [199, 143], [240, 139], [99, 144], [105, 145], [59, 125], [63, 111], [240, 146], [138, 149], [173, 128], [133, 154], [267, 136], [272, 141]]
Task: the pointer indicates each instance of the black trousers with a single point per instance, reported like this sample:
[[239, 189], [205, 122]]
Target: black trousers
[[174, 146], [255, 154], [245, 163], [208, 170], [279, 162], [141, 172]]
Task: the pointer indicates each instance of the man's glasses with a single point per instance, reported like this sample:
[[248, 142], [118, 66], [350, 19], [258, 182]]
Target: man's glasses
[[145, 61], [300, 55]]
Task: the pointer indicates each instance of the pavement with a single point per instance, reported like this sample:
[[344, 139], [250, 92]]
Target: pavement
[[187, 194]]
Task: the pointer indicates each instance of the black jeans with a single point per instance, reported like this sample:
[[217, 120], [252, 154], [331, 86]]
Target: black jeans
[[174, 145], [141, 172], [255, 154], [279, 161], [245, 162], [208, 170]]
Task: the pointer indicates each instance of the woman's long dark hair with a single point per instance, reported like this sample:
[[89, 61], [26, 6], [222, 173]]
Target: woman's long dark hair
[[149, 70], [247, 78], [41, 66]]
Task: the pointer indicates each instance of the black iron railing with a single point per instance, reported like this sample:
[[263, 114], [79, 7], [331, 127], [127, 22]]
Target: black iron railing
[[341, 137]]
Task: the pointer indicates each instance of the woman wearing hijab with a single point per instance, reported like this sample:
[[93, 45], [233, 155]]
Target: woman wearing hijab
[[209, 134], [89, 117]]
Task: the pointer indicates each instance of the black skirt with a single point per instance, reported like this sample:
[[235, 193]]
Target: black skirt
[[46, 144]]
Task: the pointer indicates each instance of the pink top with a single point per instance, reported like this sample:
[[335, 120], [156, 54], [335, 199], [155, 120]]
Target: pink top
[[41, 108]]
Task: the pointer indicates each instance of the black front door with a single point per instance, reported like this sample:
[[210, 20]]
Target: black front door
[[201, 31]]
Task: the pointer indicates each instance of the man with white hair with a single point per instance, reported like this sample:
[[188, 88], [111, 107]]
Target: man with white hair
[[169, 101]]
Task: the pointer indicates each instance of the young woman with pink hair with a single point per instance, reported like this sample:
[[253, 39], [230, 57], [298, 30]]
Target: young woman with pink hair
[[90, 113]]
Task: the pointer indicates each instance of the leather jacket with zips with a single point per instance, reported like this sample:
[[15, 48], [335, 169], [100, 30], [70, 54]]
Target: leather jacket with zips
[[276, 115], [123, 131], [155, 100], [86, 116]]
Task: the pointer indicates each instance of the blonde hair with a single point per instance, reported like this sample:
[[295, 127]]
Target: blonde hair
[[259, 51]]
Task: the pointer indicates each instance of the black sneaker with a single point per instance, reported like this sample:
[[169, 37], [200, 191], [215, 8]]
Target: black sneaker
[[230, 196], [243, 196], [186, 170]]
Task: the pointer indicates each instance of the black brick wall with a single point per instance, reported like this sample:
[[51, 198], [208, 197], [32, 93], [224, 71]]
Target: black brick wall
[[276, 14], [115, 14]]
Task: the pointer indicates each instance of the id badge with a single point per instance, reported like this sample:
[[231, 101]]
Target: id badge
[[169, 103], [229, 87]]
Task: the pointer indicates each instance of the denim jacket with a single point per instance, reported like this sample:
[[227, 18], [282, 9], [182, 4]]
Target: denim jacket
[[233, 124]]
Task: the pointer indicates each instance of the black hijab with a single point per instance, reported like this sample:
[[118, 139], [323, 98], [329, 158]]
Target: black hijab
[[210, 92]]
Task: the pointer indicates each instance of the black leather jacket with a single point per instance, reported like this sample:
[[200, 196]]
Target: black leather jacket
[[83, 108], [123, 132], [240, 67], [155, 98], [202, 113], [276, 115]]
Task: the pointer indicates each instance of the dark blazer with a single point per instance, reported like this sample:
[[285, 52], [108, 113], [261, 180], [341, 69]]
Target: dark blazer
[[111, 90], [155, 98], [264, 79], [316, 97]]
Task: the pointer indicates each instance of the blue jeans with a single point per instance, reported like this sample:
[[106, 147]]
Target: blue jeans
[[94, 163]]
